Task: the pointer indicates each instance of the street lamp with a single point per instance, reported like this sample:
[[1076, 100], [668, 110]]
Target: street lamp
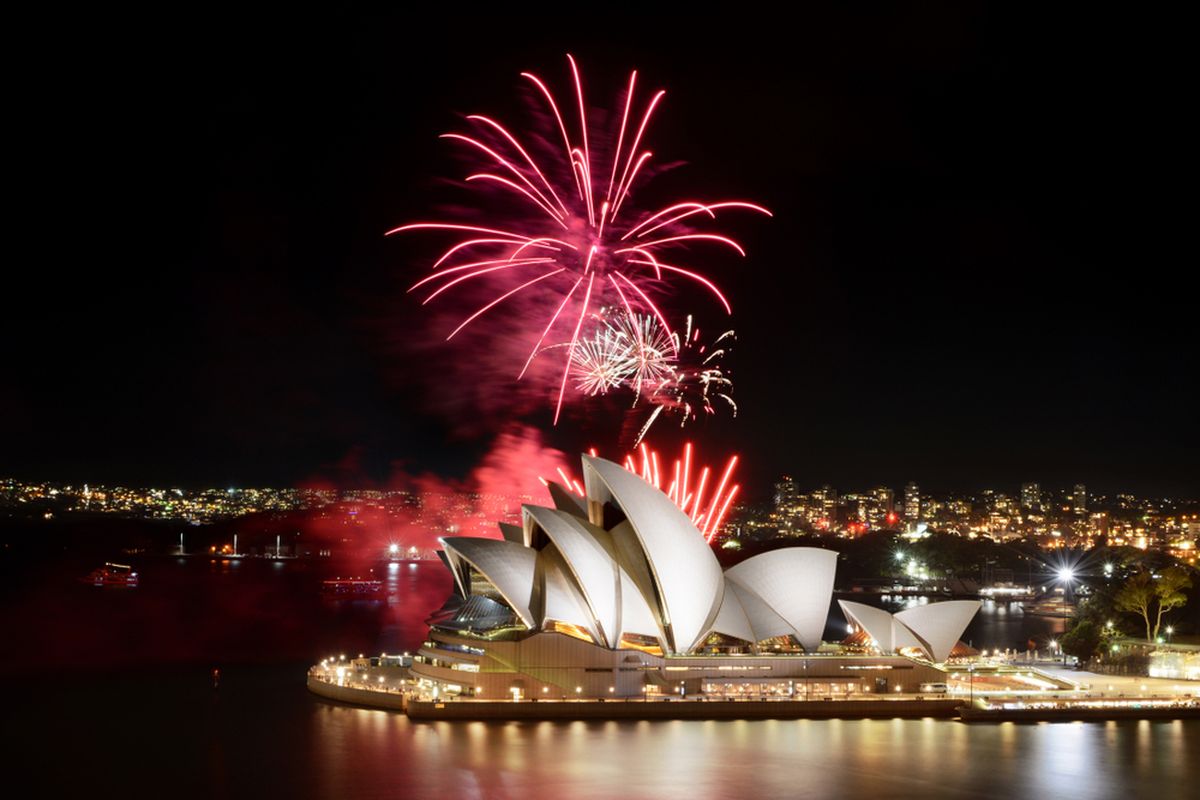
[[1170, 630], [1065, 575]]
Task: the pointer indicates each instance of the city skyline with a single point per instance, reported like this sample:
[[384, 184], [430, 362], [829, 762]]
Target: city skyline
[[767, 492]]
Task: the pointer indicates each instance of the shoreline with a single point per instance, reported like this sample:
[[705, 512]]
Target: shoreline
[[703, 709]]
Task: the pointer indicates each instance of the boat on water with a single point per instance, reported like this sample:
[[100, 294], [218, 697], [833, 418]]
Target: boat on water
[[121, 575], [352, 587], [1007, 592], [1049, 607]]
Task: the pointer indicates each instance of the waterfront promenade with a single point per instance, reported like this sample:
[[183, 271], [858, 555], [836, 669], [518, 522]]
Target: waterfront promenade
[[1062, 694]]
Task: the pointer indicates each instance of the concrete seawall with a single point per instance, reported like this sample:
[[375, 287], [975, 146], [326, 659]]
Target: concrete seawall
[[691, 709], [475, 710], [1072, 714], [359, 697]]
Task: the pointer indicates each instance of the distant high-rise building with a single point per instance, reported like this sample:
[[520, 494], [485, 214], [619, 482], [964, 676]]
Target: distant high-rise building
[[787, 505], [1193, 528], [785, 492], [831, 504], [824, 501], [912, 502], [877, 507], [1080, 498], [885, 498], [1031, 495]]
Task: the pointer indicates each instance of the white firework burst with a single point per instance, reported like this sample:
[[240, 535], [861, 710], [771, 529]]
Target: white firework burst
[[652, 349], [602, 362]]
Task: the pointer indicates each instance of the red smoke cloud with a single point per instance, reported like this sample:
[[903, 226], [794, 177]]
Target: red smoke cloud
[[413, 510]]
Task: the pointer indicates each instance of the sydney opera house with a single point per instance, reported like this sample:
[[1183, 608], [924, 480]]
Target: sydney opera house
[[617, 595]]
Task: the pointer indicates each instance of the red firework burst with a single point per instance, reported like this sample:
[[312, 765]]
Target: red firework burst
[[574, 236], [687, 485]]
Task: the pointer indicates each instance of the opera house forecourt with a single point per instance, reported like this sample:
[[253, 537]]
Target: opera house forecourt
[[617, 596]]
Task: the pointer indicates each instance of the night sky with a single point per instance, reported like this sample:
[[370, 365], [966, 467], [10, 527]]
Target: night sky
[[977, 272]]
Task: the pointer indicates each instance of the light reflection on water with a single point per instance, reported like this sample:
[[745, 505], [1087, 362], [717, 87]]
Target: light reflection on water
[[144, 658], [362, 753]]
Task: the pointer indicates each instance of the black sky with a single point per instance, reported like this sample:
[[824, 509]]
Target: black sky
[[978, 272]]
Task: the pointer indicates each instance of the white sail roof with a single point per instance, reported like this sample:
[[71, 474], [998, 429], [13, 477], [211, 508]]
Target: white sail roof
[[764, 620], [796, 583], [934, 628], [512, 533], [877, 623], [939, 625], [591, 564], [507, 565], [686, 576], [732, 620], [556, 597], [566, 500]]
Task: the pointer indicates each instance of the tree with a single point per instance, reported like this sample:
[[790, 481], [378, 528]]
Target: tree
[[1083, 640], [1169, 590], [1137, 595], [1149, 597]]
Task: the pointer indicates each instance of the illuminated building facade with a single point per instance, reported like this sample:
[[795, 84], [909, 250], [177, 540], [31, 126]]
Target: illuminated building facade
[[1031, 496], [912, 502]]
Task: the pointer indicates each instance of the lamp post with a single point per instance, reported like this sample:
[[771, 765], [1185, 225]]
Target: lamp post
[[971, 681], [1065, 575]]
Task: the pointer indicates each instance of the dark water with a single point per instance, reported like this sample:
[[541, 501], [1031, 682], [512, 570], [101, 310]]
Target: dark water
[[110, 696]]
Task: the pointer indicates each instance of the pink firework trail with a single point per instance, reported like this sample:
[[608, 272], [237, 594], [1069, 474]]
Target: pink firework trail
[[696, 489], [579, 233]]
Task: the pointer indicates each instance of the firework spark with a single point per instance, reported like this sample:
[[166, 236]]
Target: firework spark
[[580, 235], [652, 350], [603, 361], [697, 383], [686, 483]]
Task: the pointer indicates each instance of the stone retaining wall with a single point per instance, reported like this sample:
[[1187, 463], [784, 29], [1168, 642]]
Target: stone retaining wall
[[359, 697], [682, 709]]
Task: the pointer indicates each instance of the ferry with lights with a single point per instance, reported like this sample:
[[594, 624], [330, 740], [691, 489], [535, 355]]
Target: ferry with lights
[[352, 587], [120, 575]]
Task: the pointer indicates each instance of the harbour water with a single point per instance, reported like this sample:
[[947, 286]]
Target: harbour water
[[114, 689]]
